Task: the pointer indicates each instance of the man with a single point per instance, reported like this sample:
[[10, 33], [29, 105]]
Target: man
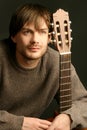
[[29, 76]]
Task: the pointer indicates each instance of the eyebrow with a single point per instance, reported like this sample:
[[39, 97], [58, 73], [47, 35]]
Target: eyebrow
[[43, 29], [25, 28]]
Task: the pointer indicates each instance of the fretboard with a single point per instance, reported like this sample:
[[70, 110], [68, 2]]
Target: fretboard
[[65, 82]]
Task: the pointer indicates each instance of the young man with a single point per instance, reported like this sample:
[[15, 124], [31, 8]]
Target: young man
[[29, 76]]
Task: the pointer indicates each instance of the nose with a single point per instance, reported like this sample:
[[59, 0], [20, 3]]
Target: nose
[[35, 38]]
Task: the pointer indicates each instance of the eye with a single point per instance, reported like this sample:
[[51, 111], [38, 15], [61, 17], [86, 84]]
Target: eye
[[27, 31], [43, 31]]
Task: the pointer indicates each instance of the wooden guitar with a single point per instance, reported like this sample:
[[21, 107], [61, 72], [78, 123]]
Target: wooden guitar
[[63, 44], [62, 34]]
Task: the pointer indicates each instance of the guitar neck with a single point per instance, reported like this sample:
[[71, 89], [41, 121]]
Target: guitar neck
[[65, 82]]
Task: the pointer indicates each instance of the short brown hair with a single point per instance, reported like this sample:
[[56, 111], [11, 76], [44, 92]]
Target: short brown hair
[[28, 13]]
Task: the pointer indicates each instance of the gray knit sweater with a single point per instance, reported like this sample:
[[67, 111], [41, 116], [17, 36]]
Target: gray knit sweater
[[28, 92]]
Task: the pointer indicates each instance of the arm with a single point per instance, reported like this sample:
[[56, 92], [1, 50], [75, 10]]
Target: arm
[[77, 114], [12, 122], [9, 121]]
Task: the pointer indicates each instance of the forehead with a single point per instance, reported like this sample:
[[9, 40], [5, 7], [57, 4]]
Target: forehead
[[38, 24]]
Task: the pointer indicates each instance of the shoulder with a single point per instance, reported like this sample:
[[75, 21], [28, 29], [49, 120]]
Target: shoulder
[[52, 54], [51, 59], [3, 51], [3, 44], [4, 48]]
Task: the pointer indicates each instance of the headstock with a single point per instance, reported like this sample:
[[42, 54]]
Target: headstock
[[62, 31]]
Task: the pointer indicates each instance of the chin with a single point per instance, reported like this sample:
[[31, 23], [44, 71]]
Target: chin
[[34, 57]]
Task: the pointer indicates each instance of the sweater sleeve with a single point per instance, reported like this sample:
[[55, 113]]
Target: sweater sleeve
[[78, 111], [10, 122]]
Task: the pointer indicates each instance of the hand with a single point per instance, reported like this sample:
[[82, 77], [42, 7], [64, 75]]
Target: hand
[[35, 124], [61, 122]]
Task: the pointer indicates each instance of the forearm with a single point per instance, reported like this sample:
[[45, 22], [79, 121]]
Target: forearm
[[10, 122], [78, 114]]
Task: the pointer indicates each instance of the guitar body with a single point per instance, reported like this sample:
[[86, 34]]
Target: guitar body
[[62, 35]]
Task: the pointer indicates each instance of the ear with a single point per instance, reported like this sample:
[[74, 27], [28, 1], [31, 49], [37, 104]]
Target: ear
[[13, 39]]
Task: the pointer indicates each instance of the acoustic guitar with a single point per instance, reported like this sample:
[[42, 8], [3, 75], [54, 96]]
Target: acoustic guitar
[[62, 34]]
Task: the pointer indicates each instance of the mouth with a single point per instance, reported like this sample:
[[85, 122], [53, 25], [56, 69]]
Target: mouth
[[34, 49]]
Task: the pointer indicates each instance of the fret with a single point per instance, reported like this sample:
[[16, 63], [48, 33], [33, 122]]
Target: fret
[[64, 77], [62, 90], [67, 95], [65, 62], [68, 83], [66, 101], [63, 73], [63, 107], [67, 69]]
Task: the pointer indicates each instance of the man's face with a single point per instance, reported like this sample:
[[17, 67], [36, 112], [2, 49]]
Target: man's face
[[31, 43]]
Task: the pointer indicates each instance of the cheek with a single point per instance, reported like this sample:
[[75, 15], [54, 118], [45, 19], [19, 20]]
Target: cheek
[[22, 39], [22, 42], [19, 44], [45, 39], [45, 45]]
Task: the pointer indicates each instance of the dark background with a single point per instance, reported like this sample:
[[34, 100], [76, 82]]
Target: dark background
[[78, 15]]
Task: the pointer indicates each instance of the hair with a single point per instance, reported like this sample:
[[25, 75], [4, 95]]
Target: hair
[[26, 14]]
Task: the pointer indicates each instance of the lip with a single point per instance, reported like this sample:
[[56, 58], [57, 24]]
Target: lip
[[34, 49]]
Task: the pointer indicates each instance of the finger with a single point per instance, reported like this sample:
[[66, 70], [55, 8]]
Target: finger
[[40, 129], [51, 128], [45, 122], [44, 126]]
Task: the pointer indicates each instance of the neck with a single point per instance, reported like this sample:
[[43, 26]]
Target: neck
[[27, 62], [30, 64], [65, 82]]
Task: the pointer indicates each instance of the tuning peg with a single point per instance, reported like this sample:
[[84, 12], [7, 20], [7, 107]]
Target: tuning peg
[[52, 33], [71, 38], [70, 22], [70, 30], [59, 42], [52, 24], [53, 41]]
